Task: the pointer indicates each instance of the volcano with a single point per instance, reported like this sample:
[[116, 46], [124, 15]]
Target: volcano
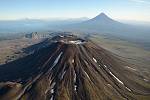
[[71, 68], [102, 18], [99, 24]]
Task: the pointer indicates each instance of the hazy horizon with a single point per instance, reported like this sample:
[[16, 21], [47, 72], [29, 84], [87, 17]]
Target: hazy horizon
[[65, 9], [80, 19]]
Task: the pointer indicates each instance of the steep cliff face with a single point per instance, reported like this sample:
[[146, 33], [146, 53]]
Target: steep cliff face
[[70, 68]]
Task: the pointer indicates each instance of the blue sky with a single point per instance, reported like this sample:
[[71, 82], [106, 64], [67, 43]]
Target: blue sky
[[45, 9]]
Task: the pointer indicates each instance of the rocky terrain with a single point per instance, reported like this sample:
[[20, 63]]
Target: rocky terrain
[[70, 68]]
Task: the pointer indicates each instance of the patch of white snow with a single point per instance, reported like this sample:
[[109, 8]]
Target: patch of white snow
[[63, 75], [128, 89], [105, 66], [72, 60], [146, 80], [76, 42], [57, 59], [131, 68], [95, 60], [115, 77]]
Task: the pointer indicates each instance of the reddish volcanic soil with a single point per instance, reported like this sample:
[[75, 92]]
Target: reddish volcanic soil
[[70, 68]]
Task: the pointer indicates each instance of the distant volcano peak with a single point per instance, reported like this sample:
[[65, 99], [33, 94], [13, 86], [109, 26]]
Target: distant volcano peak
[[102, 16]]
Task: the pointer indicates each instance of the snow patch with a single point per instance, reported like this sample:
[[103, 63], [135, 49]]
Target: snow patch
[[52, 90], [72, 60], [146, 80], [61, 36], [128, 89], [74, 79], [115, 77], [108, 84], [52, 86], [86, 62], [95, 60], [52, 97], [63, 75], [76, 42], [105, 66], [131, 68], [75, 87], [56, 60], [87, 75]]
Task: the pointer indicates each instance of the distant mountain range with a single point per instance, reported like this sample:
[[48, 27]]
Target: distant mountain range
[[30, 25], [101, 24]]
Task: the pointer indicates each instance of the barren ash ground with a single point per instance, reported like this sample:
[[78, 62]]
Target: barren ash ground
[[70, 68]]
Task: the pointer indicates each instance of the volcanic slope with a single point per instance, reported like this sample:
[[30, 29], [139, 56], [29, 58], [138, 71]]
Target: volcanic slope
[[70, 68]]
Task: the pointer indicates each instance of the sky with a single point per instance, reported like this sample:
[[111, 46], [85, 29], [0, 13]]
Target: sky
[[138, 10]]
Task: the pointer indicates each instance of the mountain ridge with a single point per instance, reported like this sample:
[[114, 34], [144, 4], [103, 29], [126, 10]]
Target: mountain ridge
[[70, 68]]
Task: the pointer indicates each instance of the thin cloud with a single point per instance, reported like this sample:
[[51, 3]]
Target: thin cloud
[[141, 1]]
